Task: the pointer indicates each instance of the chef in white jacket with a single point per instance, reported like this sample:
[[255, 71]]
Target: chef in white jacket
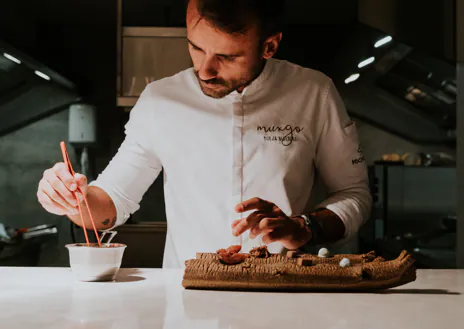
[[239, 139]]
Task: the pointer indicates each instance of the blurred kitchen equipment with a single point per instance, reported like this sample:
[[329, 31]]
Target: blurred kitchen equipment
[[419, 159], [83, 133], [22, 246], [413, 209]]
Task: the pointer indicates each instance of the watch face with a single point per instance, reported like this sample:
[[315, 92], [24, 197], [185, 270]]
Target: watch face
[[307, 220]]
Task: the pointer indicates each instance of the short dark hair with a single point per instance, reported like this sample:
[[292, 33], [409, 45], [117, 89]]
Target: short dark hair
[[237, 16]]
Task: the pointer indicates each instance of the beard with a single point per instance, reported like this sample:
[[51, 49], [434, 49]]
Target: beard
[[219, 88]]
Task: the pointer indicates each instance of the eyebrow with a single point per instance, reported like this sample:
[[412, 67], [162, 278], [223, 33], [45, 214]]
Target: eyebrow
[[221, 55]]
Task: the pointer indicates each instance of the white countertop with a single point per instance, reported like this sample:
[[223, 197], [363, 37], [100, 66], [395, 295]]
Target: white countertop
[[154, 298]]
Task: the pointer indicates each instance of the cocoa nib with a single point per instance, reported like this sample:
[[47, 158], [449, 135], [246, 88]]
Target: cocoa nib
[[260, 252]]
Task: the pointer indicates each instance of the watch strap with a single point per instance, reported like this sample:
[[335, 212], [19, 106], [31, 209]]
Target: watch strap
[[316, 229]]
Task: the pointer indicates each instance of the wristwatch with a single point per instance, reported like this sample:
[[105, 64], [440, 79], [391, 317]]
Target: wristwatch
[[315, 227]]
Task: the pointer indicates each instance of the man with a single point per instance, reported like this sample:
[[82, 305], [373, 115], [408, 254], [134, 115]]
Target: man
[[240, 137]]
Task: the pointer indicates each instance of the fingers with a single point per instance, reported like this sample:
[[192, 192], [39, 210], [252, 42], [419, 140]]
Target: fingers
[[52, 194], [264, 220], [60, 171], [51, 206], [275, 236], [254, 203], [235, 222], [81, 181], [57, 188], [266, 225], [246, 223], [52, 181]]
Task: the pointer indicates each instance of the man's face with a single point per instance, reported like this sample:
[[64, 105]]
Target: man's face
[[222, 62]]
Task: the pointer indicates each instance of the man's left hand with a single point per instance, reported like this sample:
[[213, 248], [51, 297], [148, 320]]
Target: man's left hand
[[270, 221]]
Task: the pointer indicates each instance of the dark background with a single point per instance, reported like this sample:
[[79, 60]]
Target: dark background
[[78, 39]]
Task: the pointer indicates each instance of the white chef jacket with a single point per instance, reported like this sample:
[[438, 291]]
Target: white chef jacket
[[268, 141]]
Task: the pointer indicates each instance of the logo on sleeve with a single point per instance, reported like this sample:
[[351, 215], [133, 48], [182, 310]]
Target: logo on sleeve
[[360, 158], [285, 135]]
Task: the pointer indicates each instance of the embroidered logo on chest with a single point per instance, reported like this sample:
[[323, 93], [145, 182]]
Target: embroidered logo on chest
[[285, 135], [360, 157]]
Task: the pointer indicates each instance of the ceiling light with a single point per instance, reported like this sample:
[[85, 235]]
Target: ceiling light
[[382, 41], [352, 78], [40, 74], [366, 62], [11, 58]]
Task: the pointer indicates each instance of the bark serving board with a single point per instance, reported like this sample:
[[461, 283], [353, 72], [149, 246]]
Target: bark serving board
[[299, 272]]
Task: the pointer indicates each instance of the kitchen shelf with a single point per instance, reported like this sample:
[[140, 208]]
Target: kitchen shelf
[[126, 101], [146, 54], [171, 32], [140, 236]]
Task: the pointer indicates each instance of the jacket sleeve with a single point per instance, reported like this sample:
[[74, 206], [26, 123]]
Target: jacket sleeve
[[341, 165], [135, 166]]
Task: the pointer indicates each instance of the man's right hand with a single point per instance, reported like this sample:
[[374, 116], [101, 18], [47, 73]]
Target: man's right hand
[[55, 192]]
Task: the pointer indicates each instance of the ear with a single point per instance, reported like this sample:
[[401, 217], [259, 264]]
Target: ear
[[271, 45]]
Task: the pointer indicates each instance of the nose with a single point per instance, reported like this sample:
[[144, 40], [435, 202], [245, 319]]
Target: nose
[[208, 69]]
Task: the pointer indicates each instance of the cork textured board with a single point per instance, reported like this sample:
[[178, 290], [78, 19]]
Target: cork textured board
[[263, 271]]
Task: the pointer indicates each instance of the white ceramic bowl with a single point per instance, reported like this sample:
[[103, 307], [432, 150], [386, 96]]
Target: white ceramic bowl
[[94, 263]]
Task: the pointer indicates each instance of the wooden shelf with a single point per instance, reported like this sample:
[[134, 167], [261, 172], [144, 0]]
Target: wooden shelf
[[129, 36], [145, 244], [144, 227], [172, 32], [126, 101]]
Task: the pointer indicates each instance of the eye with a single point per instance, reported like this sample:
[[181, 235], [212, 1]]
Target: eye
[[195, 47], [229, 58]]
